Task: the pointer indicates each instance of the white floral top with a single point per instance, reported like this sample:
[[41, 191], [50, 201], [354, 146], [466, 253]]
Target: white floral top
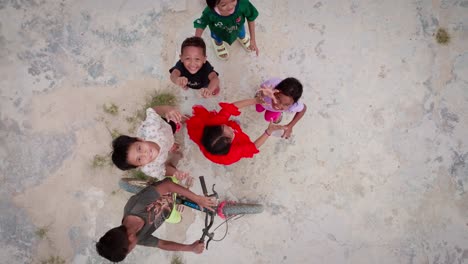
[[155, 129]]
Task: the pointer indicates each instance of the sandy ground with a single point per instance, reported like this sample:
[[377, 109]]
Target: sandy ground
[[376, 172]]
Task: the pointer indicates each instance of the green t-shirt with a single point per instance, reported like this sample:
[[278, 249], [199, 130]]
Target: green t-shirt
[[227, 27]]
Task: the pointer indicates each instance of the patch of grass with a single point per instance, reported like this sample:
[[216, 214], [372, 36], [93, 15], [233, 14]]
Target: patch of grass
[[100, 161], [162, 99], [177, 259], [114, 133], [155, 100], [53, 260], [42, 232], [111, 109], [138, 174], [442, 36]]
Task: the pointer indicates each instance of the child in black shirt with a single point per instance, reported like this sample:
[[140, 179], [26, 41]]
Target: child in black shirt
[[193, 70]]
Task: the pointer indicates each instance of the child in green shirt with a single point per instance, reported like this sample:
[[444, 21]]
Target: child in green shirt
[[226, 19]]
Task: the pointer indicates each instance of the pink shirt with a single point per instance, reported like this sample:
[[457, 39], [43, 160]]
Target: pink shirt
[[296, 107]]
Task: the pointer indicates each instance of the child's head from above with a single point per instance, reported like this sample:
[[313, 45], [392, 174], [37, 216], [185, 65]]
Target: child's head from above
[[132, 152], [193, 54], [114, 245], [225, 7], [217, 139], [289, 91]]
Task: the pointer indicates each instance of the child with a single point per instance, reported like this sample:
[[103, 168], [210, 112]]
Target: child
[[143, 214], [221, 140], [286, 99], [193, 70], [226, 19], [150, 149]]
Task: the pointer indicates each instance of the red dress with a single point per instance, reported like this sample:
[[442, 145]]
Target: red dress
[[241, 146]]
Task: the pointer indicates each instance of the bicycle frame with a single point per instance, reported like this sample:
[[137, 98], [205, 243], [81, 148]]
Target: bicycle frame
[[209, 215]]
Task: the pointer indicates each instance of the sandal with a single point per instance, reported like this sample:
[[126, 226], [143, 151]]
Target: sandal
[[220, 50], [245, 42]]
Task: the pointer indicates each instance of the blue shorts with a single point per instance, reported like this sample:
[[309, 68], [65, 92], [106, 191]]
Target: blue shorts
[[219, 40]]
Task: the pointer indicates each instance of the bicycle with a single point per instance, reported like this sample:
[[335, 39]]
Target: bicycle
[[226, 210]]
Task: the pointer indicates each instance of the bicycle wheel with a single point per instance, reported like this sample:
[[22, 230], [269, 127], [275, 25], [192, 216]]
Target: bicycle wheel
[[240, 209], [132, 185]]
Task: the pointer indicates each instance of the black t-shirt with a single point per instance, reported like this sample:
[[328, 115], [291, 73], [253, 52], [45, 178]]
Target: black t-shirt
[[153, 209], [199, 79]]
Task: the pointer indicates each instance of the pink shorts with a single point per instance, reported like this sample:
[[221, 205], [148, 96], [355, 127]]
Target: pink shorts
[[269, 115]]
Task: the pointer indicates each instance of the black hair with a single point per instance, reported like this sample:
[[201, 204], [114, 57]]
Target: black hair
[[119, 155], [290, 87], [194, 42], [212, 3], [214, 140], [114, 244]]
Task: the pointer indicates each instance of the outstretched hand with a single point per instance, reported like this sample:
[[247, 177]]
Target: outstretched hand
[[175, 116], [206, 202], [182, 82], [273, 127], [253, 46], [270, 92]]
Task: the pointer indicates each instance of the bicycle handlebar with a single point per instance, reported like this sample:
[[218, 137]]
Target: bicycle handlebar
[[203, 185]]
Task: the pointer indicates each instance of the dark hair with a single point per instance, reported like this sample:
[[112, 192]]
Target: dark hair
[[290, 87], [114, 244], [212, 3], [214, 140], [193, 42], [119, 155]]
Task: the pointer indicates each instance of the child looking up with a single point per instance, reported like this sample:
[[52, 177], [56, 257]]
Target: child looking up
[[221, 140], [193, 70], [226, 19], [150, 149], [286, 94]]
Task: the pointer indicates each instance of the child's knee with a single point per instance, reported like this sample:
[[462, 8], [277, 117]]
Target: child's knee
[[259, 108], [271, 116]]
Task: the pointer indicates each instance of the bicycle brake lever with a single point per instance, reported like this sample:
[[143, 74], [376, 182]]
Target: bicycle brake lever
[[215, 194]]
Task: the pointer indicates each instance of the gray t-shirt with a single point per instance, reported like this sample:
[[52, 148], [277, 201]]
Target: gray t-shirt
[[153, 209]]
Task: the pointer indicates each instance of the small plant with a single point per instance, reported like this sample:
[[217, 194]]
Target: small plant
[[162, 99], [442, 36], [177, 259], [53, 260], [42, 232], [111, 109], [138, 174], [114, 133], [100, 161], [155, 100]]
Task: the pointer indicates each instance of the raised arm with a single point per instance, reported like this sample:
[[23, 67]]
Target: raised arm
[[297, 117], [195, 247], [267, 133], [253, 43], [167, 186], [169, 112], [198, 32]]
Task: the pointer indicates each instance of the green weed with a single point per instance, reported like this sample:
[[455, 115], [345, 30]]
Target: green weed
[[442, 36], [162, 99], [114, 133], [111, 109], [155, 100], [177, 259], [100, 161], [138, 174], [53, 260], [42, 232]]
